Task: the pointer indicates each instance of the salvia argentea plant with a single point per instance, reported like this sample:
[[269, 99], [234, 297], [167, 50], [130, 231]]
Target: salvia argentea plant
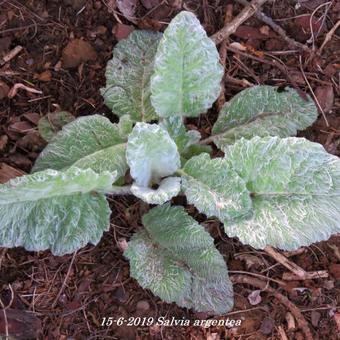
[[268, 189]]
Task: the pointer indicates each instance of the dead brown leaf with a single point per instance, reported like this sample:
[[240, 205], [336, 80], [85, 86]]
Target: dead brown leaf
[[4, 89], [44, 76], [127, 8], [20, 127], [77, 51], [325, 96], [7, 172], [21, 324], [148, 4], [122, 31], [3, 142]]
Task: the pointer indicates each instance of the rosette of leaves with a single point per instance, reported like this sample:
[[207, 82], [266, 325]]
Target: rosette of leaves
[[270, 188]]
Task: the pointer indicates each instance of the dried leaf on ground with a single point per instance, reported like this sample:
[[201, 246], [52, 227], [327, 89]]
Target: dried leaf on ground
[[122, 31], [21, 324], [254, 297], [127, 8], [267, 326], [150, 3], [4, 89], [7, 172], [3, 142], [325, 96], [77, 51]]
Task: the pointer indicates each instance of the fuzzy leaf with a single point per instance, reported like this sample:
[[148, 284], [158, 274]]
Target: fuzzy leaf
[[295, 189], [54, 210], [187, 75], [263, 111], [215, 189], [177, 260], [151, 154], [177, 131], [168, 188], [88, 142], [195, 150], [128, 74], [52, 123]]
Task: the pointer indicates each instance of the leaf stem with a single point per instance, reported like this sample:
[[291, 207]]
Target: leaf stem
[[117, 190], [180, 172]]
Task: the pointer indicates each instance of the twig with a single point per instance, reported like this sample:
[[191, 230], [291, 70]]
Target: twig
[[11, 54], [240, 82], [263, 277], [243, 279], [14, 90], [298, 251], [312, 38], [231, 27], [278, 29], [312, 92], [4, 308], [329, 36], [282, 333], [65, 280], [308, 276], [223, 55], [298, 272]]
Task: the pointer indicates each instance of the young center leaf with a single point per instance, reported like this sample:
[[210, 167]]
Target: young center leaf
[[214, 188], [168, 188], [88, 142], [177, 131], [176, 259], [152, 155], [128, 74], [54, 210], [295, 190], [263, 111], [187, 72]]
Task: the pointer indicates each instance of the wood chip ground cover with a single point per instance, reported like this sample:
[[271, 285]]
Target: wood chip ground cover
[[65, 48]]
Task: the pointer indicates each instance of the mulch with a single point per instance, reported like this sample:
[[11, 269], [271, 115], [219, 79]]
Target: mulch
[[65, 47]]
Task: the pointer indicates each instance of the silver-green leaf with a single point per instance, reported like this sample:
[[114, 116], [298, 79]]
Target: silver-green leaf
[[54, 210], [151, 154], [128, 74], [187, 74], [177, 131], [214, 188], [52, 123], [295, 190], [168, 188], [263, 111], [176, 259], [88, 142]]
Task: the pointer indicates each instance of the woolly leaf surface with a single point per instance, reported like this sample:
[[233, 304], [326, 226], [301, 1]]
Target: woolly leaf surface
[[128, 74], [151, 154], [263, 111], [214, 188], [187, 71], [295, 190], [54, 210], [88, 142], [176, 259]]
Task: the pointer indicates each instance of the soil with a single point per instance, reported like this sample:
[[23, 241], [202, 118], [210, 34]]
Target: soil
[[65, 47]]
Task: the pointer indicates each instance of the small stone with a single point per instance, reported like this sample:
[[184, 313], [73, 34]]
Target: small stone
[[143, 305]]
